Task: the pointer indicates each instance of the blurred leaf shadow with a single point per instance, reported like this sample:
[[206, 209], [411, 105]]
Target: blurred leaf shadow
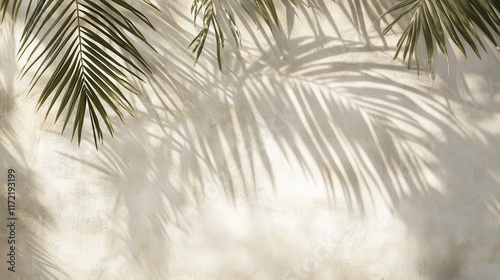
[[326, 106], [34, 258], [365, 17]]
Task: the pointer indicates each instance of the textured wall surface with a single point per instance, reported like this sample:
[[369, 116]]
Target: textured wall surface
[[313, 155]]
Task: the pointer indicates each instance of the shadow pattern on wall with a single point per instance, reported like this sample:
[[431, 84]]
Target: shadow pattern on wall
[[33, 257], [338, 111]]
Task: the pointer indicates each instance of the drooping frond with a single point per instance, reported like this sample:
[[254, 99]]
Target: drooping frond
[[462, 21], [87, 47], [267, 10], [210, 11]]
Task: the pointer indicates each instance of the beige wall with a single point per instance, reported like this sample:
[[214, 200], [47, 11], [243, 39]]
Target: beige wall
[[319, 159]]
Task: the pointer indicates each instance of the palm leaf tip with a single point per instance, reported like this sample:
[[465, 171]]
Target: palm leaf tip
[[464, 23], [89, 47], [209, 11], [217, 16]]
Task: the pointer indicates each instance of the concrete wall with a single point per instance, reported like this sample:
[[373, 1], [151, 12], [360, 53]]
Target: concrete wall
[[319, 159]]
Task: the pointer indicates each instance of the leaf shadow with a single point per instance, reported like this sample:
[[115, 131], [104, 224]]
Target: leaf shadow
[[335, 111], [34, 257]]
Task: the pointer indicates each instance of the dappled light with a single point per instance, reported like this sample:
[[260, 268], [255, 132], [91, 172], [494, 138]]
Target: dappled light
[[34, 218], [308, 139]]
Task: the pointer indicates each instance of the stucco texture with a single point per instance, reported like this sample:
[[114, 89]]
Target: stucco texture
[[311, 155]]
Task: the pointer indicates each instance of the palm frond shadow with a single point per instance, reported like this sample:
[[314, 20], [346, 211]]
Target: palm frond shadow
[[329, 109], [315, 81], [147, 200], [365, 17], [34, 258], [362, 140], [378, 153]]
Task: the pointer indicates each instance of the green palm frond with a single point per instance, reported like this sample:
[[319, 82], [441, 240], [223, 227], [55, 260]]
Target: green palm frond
[[14, 5], [210, 11], [267, 10], [460, 20], [88, 43]]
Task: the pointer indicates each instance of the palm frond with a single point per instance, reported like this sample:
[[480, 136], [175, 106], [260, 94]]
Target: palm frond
[[267, 10], [210, 11], [460, 20], [90, 45], [14, 5]]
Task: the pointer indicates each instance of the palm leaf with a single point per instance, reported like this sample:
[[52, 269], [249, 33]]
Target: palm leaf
[[210, 10], [460, 20], [267, 10], [89, 47], [215, 11]]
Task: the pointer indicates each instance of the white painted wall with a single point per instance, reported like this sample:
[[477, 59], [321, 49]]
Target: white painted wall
[[319, 159]]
